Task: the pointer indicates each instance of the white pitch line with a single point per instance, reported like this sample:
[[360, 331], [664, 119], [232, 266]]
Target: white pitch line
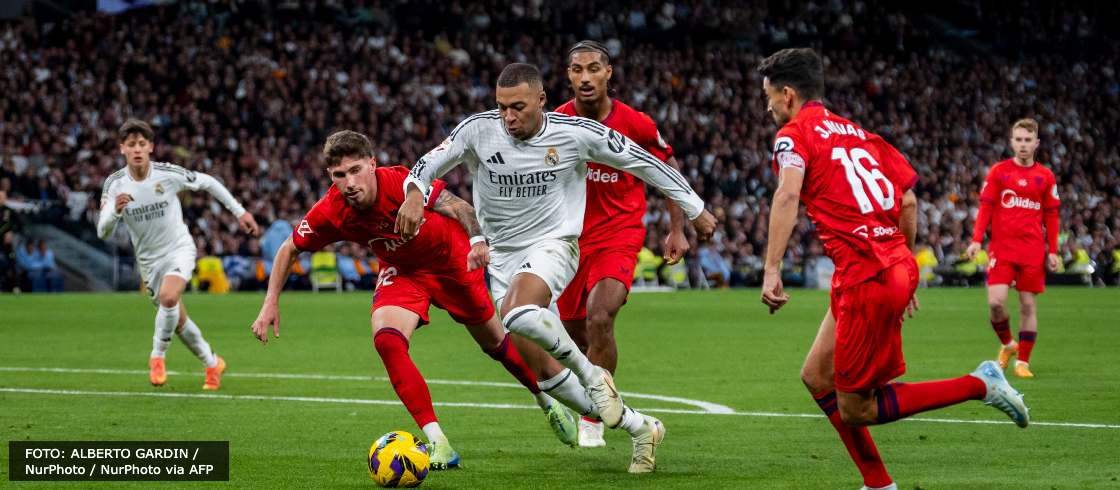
[[360, 401], [705, 407]]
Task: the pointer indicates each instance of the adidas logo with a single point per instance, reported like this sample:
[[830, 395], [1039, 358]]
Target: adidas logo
[[526, 266], [496, 159]]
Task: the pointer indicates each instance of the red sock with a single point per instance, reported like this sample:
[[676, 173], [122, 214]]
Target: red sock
[[1003, 330], [507, 354], [858, 442], [406, 379], [1026, 343], [900, 400]]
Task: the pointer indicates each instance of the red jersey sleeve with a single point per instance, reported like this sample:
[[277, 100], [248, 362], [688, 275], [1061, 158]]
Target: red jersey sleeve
[[990, 191], [650, 139], [1051, 199], [1050, 204], [791, 150], [315, 231]]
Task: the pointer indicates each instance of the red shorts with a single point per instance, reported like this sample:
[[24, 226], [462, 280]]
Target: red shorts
[[1025, 278], [594, 266], [463, 294], [869, 328]]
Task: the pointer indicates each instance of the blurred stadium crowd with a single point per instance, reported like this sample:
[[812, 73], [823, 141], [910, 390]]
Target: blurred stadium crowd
[[248, 91]]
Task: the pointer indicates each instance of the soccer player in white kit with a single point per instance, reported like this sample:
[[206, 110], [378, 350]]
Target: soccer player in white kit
[[144, 195], [529, 171]]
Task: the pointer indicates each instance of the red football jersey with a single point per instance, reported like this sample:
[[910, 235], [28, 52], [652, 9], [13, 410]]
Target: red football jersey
[[853, 187], [440, 243], [616, 200], [1017, 198]]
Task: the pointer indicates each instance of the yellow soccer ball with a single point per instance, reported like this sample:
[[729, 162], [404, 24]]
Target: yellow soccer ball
[[398, 459]]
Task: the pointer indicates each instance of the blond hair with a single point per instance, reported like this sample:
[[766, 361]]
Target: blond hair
[[1027, 124]]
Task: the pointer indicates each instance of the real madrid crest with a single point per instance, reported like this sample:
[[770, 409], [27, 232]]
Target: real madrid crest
[[159, 188], [552, 158]]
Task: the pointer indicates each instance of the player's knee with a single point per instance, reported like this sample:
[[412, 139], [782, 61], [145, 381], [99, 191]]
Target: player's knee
[[168, 299], [814, 380], [857, 414], [600, 322], [1026, 309], [997, 308]]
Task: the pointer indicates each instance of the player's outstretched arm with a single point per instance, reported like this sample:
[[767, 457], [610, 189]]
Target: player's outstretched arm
[[611, 148], [676, 243], [783, 217], [215, 188], [452, 206], [270, 310]]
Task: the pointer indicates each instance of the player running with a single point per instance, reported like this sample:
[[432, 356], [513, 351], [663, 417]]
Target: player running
[[529, 171], [1019, 197], [437, 267], [855, 187], [144, 195], [613, 232]]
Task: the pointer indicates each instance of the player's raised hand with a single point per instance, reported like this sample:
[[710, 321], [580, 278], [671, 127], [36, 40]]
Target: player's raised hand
[[973, 249], [249, 224], [479, 257], [1053, 262], [122, 201], [410, 216], [772, 294], [270, 315], [705, 225], [675, 246]]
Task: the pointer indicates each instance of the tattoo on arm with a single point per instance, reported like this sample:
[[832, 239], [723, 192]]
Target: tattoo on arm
[[452, 206]]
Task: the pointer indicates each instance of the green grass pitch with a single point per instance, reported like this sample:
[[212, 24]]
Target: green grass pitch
[[713, 348]]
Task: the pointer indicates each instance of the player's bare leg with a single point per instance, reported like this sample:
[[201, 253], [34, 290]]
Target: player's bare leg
[[1028, 331], [525, 312], [500, 346], [817, 375], [603, 303], [997, 308], [392, 328]]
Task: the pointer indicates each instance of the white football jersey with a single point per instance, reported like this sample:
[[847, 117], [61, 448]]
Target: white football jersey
[[525, 191], [155, 216]]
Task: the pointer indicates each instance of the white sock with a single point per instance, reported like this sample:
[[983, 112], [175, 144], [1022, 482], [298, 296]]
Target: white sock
[[192, 336], [543, 400], [545, 329], [632, 420], [434, 433], [570, 392], [166, 318]]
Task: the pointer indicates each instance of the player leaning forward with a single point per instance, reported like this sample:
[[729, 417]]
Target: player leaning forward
[[144, 195], [530, 169]]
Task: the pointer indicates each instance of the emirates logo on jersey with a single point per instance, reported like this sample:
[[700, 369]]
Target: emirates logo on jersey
[[1009, 199]]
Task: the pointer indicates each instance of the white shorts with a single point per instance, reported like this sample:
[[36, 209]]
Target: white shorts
[[177, 263], [553, 260]]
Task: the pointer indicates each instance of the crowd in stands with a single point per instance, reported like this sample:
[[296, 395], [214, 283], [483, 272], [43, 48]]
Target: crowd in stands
[[248, 91]]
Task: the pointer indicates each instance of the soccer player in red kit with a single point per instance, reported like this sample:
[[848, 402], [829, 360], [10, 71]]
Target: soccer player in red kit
[[1019, 197], [857, 191], [439, 266], [613, 232]]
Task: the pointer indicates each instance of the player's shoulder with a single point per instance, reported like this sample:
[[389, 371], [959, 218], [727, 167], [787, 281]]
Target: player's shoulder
[[566, 123], [396, 172], [568, 108], [632, 117], [475, 121], [113, 178], [328, 207], [174, 170]]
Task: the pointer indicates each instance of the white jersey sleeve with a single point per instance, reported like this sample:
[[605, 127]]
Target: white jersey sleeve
[[609, 147], [195, 181], [108, 218], [456, 149]]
